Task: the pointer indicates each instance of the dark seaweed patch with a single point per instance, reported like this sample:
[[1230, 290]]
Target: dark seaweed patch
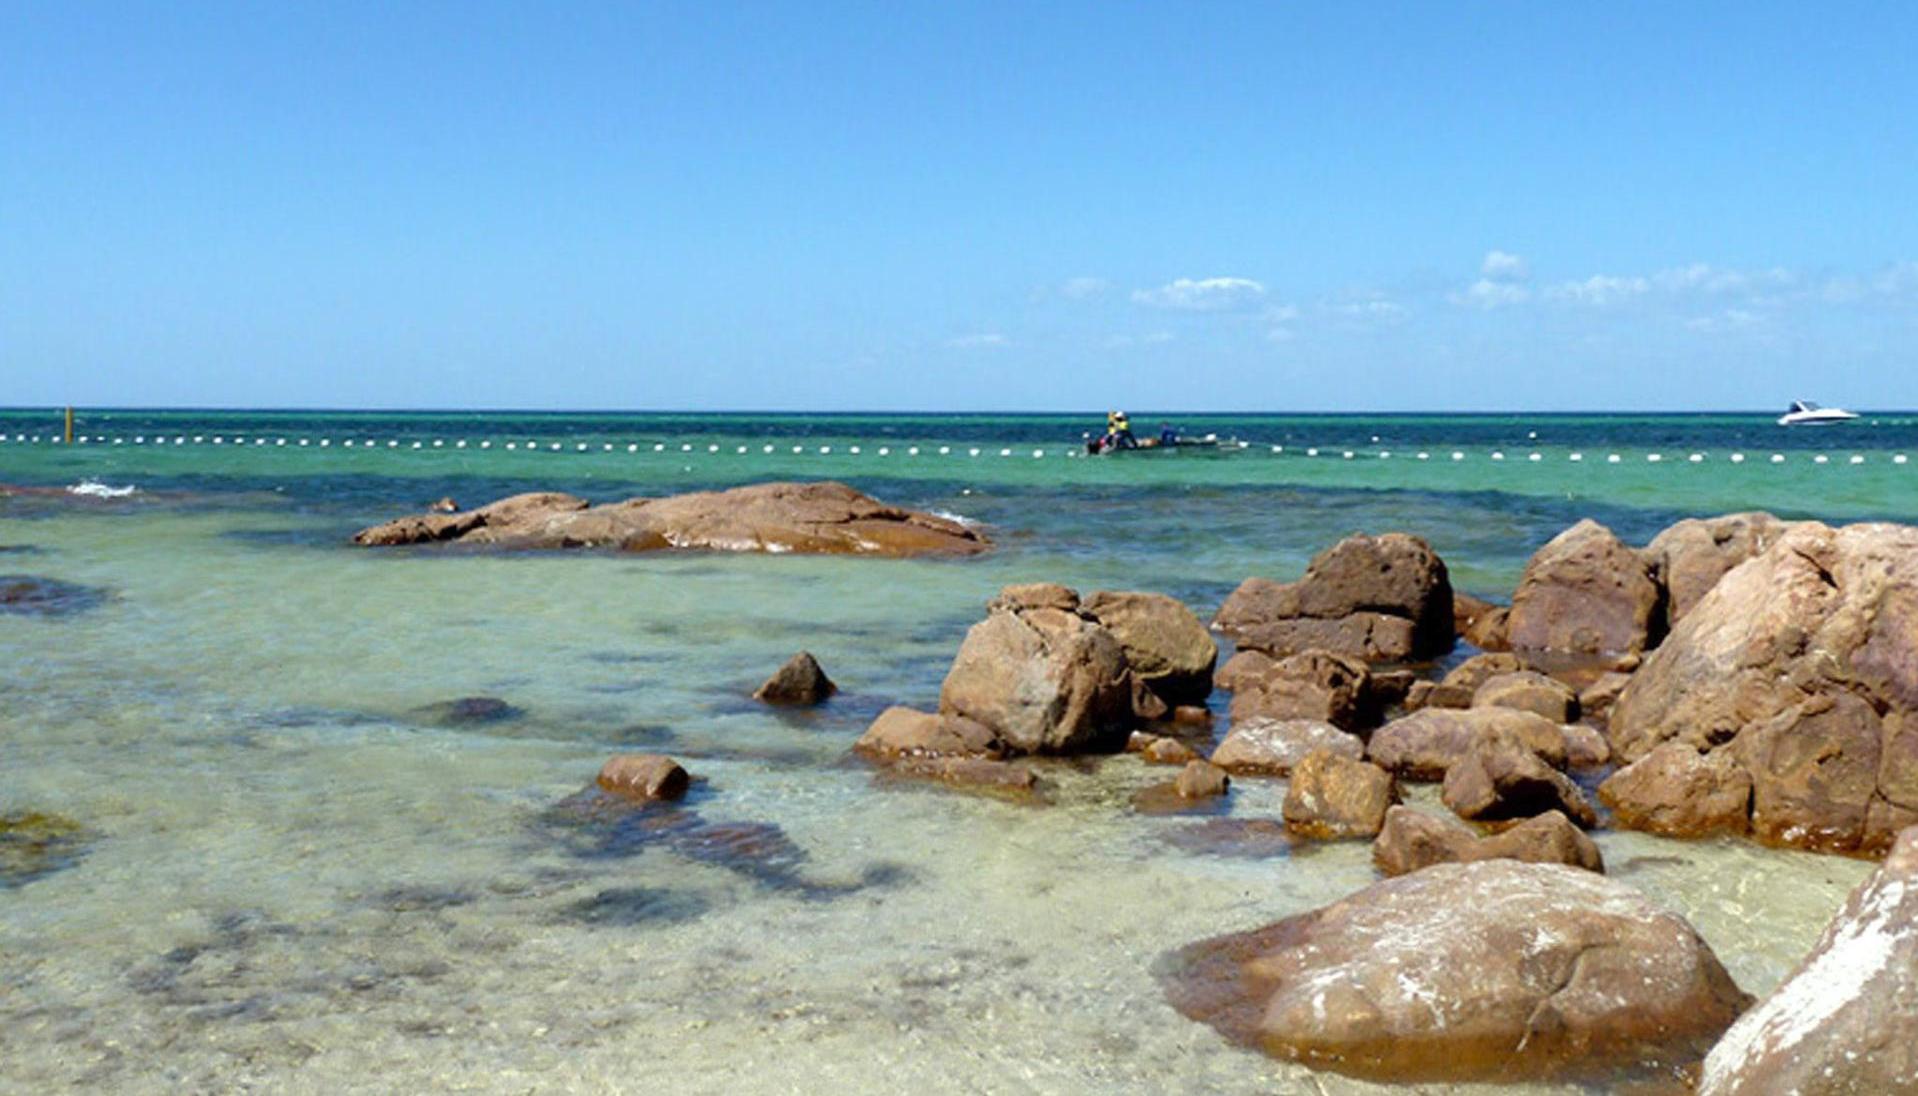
[[467, 711], [34, 844], [31, 595], [630, 907]]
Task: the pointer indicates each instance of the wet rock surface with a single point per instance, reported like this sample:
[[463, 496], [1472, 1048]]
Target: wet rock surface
[[1846, 1021], [806, 518], [1311, 685], [1488, 971], [1689, 557], [33, 596], [1427, 743], [1500, 778], [1044, 680], [1165, 643], [1381, 599], [800, 682], [644, 777], [1330, 796], [1274, 747]]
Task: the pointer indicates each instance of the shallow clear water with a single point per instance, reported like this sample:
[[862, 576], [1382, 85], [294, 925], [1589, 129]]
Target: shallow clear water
[[299, 882]]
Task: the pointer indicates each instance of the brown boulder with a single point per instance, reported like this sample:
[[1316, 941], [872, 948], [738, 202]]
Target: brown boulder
[[1164, 750], [1678, 792], [1846, 1021], [1044, 680], [1499, 778], [1244, 669], [1034, 595], [1274, 747], [1423, 745], [1436, 694], [1479, 622], [1585, 747], [1596, 699], [1479, 669], [1585, 593], [1165, 643], [1804, 662], [799, 682], [1334, 796], [902, 732], [1529, 691], [814, 518], [1488, 971], [1310, 685], [644, 776], [1413, 839], [1383, 599], [1689, 558]]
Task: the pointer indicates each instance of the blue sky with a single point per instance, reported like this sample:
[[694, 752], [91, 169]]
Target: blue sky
[[969, 206]]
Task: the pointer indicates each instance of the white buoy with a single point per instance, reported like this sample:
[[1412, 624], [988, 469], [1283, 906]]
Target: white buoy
[[854, 450], [1348, 454], [712, 449], [1385, 454], [509, 445], [1313, 452], [438, 444], [1820, 459], [1778, 458], [416, 445], [303, 442], [1575, 457], [913, 451], [766, 449], [799, 448], [1497, 455], [1037, 453], [1654, 458], [660, 447], [1856, 459], [686, 447], [1612, 458], [825, 449], [1456, 455], [1899, 459], [742, 450], [885, 451], [1536, 457], [973, 452], [1278, 449], [1424, 455], [632, 448], [324, 442], [1696, 458], [945, 450], [1005, 452], [1738, 458]]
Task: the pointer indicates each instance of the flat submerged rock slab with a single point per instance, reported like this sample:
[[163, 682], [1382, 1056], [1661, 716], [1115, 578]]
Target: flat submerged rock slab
[[823, 518], [31, 595]]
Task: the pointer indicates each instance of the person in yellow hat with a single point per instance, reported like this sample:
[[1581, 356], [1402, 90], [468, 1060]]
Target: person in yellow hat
[[1119, 431]]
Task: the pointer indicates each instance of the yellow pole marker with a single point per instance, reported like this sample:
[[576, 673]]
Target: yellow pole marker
[[69, 426]]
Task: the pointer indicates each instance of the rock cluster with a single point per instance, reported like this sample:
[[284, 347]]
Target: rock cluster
[[809, 518]]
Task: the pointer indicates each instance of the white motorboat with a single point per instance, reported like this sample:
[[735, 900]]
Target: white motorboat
[[1807, 413]]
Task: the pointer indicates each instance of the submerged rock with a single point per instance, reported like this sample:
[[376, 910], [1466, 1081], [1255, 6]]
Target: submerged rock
[[467, 711], [1586, 593], [902, 732], [799, 682], [1382, 599], [808, 518], [1488, 971], [30, 595], [1846, 1021], [34, 844], [1201, 780]]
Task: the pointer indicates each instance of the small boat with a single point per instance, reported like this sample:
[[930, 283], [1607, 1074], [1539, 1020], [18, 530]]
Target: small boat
[[1807, 413], [1158, 445]]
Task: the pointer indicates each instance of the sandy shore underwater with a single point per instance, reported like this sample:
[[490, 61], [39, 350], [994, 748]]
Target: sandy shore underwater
[[295, 874]]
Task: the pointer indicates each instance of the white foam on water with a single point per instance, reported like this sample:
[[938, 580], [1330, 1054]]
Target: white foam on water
[[98, 490]]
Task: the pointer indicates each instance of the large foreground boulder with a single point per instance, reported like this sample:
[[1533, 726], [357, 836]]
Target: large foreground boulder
[[1165, 643], [811, 518], [1803, 662], [1044, 680], [1585, 594], [1488, 971], [1846, 1021], [1382, 599]]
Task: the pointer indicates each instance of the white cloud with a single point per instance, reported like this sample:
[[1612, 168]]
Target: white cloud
[[1371, 310], [1486, 293], [1706, 278], [1730, 319], [982, 340], [1203, 294], [1600, 289], [1503, 266], [1084, 288]]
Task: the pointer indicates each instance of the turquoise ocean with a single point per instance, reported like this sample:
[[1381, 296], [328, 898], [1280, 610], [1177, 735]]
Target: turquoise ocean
[[294, 869]]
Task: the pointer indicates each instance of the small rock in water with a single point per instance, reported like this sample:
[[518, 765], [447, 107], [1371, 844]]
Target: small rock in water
[[1334, 796], [644, 776], [30, 595], [467, 711], [799, 682], [1201, 780], [1413, 839]]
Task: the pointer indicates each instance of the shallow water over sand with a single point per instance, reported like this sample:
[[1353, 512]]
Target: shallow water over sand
[[300, 879]]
